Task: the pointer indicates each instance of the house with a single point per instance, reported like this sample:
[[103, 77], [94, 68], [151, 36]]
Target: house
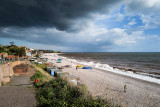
[[1, 56], [33, 53], [11, 58], [28, 54], [31, 49]]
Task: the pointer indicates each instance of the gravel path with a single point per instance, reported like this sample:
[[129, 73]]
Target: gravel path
[[16, 94]]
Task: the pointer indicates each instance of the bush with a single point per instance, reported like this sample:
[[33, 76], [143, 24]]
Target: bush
[[58, 93], [38, 75]]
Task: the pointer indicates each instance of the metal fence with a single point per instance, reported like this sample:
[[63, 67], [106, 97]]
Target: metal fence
[[2, 61]]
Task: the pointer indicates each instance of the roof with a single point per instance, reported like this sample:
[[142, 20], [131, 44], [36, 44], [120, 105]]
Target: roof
[[11, 56]]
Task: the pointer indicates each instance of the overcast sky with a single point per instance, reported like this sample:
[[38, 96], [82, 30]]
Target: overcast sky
[[82, 25]]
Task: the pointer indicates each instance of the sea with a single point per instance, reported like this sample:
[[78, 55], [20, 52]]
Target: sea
[[146, 64]]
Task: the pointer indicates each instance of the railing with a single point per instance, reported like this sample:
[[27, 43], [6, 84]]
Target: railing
[[2, 61]]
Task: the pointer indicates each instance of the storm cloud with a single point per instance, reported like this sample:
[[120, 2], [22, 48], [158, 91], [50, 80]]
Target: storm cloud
[[82, 25], [49, 13]]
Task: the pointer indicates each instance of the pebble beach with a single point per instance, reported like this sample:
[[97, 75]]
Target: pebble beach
[[110, 85]]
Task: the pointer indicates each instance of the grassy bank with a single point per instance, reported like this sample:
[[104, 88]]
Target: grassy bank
[[41, 68]]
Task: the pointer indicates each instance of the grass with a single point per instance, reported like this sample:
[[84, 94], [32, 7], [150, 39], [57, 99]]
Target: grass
[[43, 66]]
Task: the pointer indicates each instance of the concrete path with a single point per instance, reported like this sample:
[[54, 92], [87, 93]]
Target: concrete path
[[17, 92]]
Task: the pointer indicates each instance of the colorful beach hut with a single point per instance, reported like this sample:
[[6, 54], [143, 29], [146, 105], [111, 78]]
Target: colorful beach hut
[[52, 72]]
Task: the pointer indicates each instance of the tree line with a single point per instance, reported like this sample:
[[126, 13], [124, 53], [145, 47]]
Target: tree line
[[13, 50]]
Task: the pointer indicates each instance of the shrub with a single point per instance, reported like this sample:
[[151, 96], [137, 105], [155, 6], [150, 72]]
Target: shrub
[[58, 93], [37, 75]]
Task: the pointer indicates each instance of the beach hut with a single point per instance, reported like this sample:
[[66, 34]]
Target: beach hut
[[87, 68], [52, 72], [50, 67], [58, 72]]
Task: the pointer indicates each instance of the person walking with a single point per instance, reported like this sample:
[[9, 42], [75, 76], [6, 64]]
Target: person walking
[[125, 88]]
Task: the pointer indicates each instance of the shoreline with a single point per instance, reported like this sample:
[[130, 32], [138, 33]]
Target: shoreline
[[110, 85], [150, 77]]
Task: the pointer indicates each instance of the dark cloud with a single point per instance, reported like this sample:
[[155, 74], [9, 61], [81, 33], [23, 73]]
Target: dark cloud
[[48, 13]]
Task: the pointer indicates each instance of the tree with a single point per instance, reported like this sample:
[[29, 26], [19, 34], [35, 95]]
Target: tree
[[22, 51], [14, 50], [1, 49], [12, 43], [18, 51]]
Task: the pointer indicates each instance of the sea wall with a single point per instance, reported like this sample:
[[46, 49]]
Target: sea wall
[[6, 70]]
